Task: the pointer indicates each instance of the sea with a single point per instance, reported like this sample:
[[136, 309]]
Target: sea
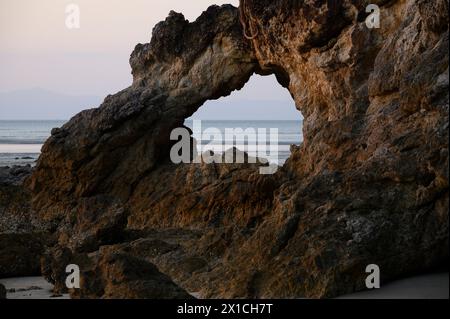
[[21, 141]]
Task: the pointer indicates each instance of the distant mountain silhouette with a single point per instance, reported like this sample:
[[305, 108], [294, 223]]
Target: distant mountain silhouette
[[41, 104], [242, 109]]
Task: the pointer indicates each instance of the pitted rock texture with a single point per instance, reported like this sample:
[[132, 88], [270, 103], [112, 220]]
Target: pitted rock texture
[[2, 292], [110, 273], [23, 236], [20, 254], [369, 184], [15, 208]]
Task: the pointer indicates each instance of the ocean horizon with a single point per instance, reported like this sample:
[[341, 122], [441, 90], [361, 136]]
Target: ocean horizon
[[21, 140]]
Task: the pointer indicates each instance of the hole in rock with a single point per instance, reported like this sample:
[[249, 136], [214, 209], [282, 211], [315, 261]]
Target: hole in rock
[[262, 108]]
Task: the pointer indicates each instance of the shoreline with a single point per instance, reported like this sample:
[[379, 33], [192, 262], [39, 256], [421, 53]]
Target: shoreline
[[427, 286], [20, 148], [29, 288]]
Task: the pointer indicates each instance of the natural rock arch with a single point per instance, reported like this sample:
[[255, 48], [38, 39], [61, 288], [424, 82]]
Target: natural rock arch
[[183, 66], [369, 184], [259, 108]]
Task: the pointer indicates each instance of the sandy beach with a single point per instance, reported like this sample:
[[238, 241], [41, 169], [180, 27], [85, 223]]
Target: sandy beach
[[29, 288], [430, 286]]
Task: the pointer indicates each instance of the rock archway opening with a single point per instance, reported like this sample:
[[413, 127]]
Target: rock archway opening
[[260, 119]]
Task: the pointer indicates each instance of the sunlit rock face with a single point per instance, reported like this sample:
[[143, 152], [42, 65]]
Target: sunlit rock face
[[369, 184]]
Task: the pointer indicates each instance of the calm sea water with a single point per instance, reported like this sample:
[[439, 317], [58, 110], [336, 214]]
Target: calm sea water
[[21, 141], [288, 133]]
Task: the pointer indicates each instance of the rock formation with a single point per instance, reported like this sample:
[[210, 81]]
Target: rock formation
[[2, 292], [22, 236], [20, 254], [111, 273], [369, 184]]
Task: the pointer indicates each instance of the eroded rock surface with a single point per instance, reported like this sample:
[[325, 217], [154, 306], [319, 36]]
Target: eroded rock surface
[[369, 184], [20, 254], [23, 237], [2, 292], [108, 273], [15, 206]]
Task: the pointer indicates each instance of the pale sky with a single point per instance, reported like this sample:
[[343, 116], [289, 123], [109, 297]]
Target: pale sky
[[37, 50]]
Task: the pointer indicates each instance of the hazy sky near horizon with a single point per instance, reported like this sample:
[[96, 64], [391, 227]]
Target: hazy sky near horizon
[[39, 51]]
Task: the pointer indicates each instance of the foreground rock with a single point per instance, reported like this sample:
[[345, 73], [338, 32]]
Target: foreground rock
[[20, 254], [369, 185], [14, 175], [111, 273], [22, 236], [2, 292], [15, 201]]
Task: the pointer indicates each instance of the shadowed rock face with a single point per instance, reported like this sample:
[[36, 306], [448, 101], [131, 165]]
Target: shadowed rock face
[[110, 273], [20, 254], [15, 215], [22, 236], [127, 137], [369, 184], [2, 292]]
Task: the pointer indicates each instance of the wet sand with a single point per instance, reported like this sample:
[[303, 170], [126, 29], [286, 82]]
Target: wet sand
[[20, 148], [430, 286], [29, 288]]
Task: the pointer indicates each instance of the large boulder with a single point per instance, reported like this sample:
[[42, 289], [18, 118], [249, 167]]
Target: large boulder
[[20, 254], [23, 236], [2, 292], [119, 275], [15, 201], [369, 184], [112, 273]]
